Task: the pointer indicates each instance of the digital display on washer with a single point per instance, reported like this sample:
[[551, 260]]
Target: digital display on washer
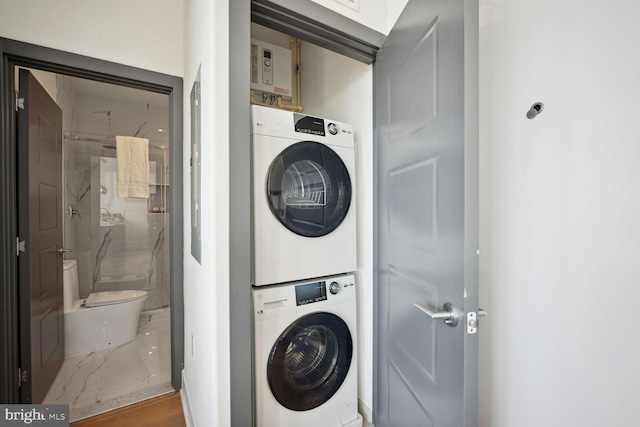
[[308, 124], [311, 292]]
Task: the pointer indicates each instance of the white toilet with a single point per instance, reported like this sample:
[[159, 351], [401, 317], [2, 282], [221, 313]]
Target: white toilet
[[102, 320]]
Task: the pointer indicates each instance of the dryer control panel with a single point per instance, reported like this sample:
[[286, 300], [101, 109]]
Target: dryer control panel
[[317, 126], [308, 124], [286, 124]]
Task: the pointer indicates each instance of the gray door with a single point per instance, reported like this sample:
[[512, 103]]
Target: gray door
[[426, 170], [40, 225]]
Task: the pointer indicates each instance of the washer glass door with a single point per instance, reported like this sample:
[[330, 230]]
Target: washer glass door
[[309, 361], [309, 189]]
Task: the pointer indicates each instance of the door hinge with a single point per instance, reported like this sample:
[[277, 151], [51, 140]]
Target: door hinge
[[20, 246], [19, 103], [23, 376]]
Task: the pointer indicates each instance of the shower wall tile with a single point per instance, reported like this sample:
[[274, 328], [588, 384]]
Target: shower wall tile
[[132, 255], [67, 99], [106, 116]]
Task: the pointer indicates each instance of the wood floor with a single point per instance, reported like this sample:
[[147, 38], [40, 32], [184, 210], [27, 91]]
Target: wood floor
[[161, 411]]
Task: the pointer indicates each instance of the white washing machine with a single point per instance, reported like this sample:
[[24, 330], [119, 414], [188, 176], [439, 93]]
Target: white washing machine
[[305, 354], [304, 210]]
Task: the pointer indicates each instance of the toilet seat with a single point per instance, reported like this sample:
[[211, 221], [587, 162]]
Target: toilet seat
[[99, 299]]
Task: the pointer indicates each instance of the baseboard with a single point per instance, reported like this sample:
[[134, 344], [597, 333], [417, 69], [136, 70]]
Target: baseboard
[[366, 413], [186, 403]]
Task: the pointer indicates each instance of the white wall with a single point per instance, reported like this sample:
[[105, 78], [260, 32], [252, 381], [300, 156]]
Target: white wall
[[47, 80], [206, 373], [559, 213], [340, 88], [371, 13], [141, 33], [379, 15], [394, 9]]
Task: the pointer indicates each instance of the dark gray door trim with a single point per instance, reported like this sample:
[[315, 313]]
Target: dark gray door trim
[[344, 36], [14, 53], [240, 252]]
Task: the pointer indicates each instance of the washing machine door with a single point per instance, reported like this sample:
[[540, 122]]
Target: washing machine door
[[309, 189], [309, 361]]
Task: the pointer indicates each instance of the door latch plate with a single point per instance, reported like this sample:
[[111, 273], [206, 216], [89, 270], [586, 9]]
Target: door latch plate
[[20, 246], [472, 323], [19, 104]]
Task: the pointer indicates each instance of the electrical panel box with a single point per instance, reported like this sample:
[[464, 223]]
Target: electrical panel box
[[270, 70]]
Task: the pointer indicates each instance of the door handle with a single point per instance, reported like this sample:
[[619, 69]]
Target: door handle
[[450, 313], [62, 250]]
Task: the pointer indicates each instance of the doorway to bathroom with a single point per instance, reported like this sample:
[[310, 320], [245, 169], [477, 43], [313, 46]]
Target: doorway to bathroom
[[119, 244], [114, 245]]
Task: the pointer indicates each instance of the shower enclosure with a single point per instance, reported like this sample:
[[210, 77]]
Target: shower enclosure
[[120, 243]]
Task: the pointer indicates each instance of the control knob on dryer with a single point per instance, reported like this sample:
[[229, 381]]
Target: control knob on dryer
[[333, 128]]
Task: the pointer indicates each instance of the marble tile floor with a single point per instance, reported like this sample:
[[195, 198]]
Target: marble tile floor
[[104, 380]]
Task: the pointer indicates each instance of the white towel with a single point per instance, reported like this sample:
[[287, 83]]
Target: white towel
[[132, 156]]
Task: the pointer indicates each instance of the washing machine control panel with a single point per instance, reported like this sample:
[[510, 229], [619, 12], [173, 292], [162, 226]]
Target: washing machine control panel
[[335, 288], [311, 292]]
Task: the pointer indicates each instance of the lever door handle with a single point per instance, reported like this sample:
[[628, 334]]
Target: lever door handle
[[63, 251], [450, 313]]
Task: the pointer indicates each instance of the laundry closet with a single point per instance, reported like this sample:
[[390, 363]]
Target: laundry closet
[[338, 91]]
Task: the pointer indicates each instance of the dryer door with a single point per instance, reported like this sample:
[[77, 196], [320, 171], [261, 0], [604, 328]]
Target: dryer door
[[309, 361], [309, 189]]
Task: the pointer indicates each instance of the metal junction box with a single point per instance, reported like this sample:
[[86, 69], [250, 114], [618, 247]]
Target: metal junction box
[[270, 70]]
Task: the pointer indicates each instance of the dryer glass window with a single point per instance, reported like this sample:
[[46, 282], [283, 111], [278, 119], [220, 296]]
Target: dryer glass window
[[309, 189], [309, 361]]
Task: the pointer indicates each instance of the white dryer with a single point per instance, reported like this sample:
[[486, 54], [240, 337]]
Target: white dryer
[[305, 354], [304, 210]]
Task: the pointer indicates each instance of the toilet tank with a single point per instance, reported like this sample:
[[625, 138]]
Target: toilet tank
[[70, 282]]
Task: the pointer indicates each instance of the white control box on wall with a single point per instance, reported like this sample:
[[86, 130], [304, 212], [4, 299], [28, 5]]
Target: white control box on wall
[[270, 70]]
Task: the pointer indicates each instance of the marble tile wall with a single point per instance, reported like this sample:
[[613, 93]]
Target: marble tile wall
[[133, 254]]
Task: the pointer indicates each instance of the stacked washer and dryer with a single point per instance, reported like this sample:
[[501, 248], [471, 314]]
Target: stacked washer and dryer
[[304, 250]]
